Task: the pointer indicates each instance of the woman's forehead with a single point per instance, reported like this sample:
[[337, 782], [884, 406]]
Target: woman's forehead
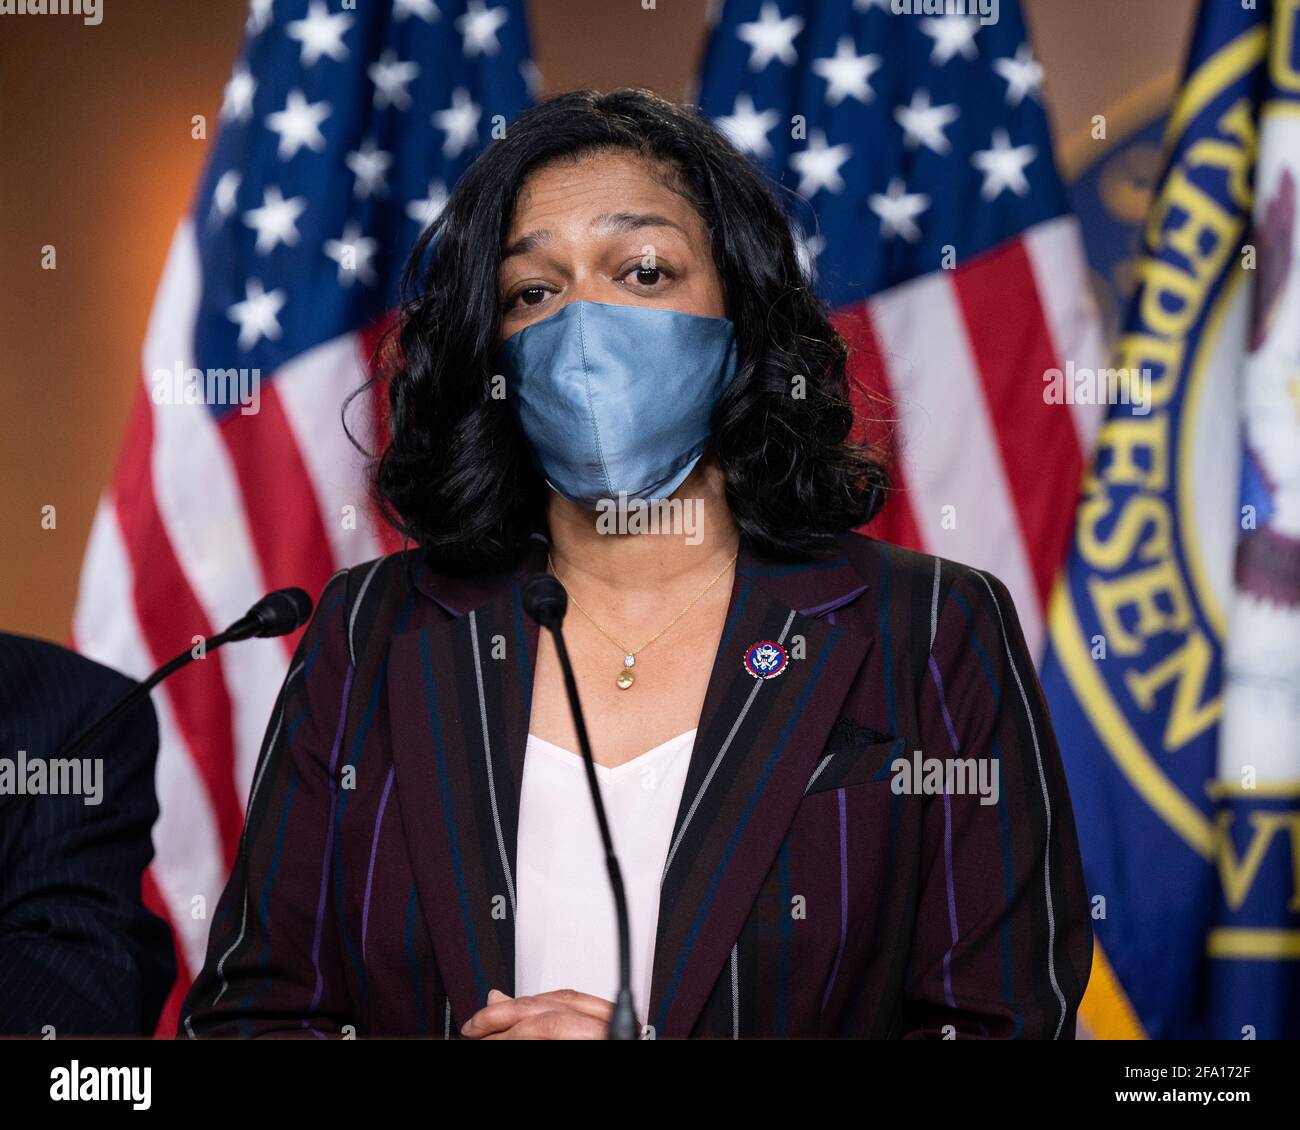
[[595, 192]]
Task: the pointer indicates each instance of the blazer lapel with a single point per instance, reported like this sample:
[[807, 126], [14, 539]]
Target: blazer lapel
[[461, 692], [757, 746]]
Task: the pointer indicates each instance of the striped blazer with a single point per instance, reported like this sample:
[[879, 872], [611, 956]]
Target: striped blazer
[[806, 892]]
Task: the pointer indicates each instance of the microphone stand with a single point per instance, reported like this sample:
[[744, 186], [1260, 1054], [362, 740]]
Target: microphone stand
[[139, 691], [268, 617], [549, 613]]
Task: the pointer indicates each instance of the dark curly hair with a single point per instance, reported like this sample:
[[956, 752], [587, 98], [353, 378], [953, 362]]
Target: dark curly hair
[[457, 476]]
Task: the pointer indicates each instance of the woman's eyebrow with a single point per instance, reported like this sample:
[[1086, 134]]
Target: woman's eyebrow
[[616, 222], [526, 243], [632, 221]]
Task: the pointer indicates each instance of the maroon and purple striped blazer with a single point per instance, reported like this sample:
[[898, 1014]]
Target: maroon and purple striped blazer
[[374, 889]]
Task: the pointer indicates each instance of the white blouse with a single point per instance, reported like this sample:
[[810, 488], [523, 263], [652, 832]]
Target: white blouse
[[566, 933]]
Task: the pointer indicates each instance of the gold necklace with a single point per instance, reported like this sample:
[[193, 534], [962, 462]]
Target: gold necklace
[[625, 677]]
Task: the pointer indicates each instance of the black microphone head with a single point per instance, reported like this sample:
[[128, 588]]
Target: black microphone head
[[281, 612], [545, 600]]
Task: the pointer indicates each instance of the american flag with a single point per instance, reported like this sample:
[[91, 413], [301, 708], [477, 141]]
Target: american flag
[[915, 156], [341, 131]]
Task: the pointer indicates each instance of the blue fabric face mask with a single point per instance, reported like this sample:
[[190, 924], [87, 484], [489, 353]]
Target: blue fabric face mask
[[617, 399]]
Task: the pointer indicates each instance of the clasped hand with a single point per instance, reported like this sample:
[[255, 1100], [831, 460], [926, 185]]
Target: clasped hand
[[562, 1014]]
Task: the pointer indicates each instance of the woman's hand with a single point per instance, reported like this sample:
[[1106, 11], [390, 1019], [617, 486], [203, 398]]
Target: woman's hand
[[563, 1014]]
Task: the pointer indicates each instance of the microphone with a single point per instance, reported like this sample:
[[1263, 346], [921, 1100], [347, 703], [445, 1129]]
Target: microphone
[[546, 602], [276, 614]]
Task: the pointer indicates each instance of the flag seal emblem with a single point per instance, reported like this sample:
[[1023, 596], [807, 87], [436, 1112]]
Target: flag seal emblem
[[766, 659]]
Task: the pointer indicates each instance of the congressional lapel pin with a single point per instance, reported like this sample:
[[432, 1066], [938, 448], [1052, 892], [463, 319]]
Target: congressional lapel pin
[[766, 659]]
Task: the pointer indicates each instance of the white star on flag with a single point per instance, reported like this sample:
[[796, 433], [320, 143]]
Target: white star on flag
[[952, 35], [275, 220], [898, 209], [807, 248], [531, 73], [425, 10], [298, 124], [321, 33], [259, 16], [460, 121], [369, 165], [237, 99], [1023, 74], [924, 124], [846, 73], [256, 314], [425, 211], [818, 166], [770, 37], [479, 26], [1003, 166], [390, 76], [747, 128], [353, 252], [224, 194]]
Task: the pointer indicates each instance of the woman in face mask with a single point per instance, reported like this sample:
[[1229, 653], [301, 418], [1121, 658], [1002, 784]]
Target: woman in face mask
[[612, 368]]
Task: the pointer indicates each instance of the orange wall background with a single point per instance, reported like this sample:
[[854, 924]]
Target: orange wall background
[[97, 160]]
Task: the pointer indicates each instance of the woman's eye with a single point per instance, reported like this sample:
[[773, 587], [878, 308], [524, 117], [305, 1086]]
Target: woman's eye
[[529, 296], [647, 276]]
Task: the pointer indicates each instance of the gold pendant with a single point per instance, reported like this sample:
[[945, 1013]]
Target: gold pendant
[[625, 679]]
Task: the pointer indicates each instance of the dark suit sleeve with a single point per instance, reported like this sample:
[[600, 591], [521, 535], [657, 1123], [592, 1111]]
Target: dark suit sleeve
[[79, 953], [1003, 938], [274, 965]]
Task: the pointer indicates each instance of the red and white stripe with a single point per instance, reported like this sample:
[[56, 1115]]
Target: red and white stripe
[[986, 471], [202, 518]]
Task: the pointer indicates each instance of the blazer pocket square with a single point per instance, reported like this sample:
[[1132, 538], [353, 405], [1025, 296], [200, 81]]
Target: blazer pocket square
[[854, 755]]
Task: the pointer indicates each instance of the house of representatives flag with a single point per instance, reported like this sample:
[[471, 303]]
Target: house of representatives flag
[[914, 155], [1173, 674], [342, 129]]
